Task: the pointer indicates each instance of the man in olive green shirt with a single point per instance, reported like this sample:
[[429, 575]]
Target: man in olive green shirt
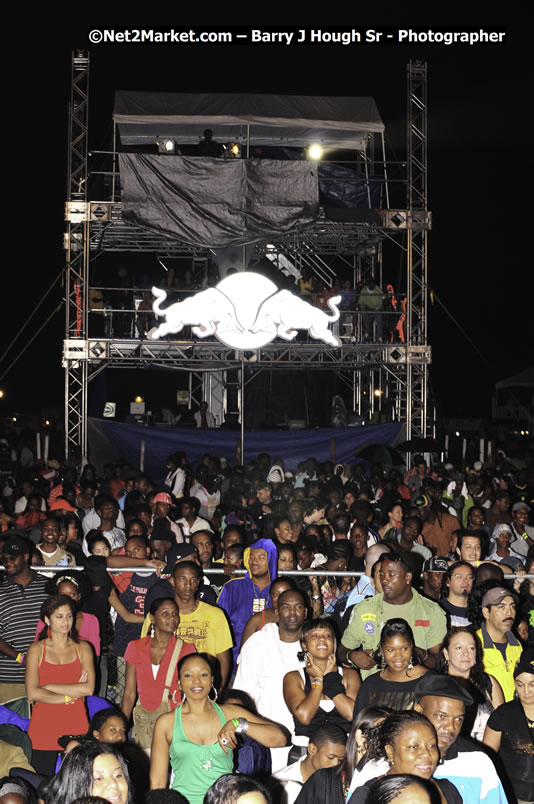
[[398, 599]]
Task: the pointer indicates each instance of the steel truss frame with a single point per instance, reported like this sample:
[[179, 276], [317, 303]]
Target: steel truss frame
[[399, 372], [77, 235]]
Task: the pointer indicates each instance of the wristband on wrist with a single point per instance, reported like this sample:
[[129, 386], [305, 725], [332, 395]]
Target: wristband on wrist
[[20, 658], [333, 685], [349, 660], [241, 725]]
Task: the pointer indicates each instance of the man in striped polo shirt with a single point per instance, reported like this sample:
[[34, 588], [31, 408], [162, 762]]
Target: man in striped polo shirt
[[22, 593]]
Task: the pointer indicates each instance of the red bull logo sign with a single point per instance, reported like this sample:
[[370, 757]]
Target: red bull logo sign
[[246, 311]]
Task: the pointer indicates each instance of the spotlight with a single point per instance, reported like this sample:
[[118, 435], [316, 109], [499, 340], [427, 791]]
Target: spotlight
[[1, 394], [139, 399], [457, 433], [232, 150], [13, 419], [315, 152], [166, 146], [378, 392]]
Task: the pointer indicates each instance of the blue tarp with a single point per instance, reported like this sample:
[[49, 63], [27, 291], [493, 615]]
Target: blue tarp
[[111, 440]]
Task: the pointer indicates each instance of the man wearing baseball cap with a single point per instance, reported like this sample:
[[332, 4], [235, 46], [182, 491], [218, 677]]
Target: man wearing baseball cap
[[500, 646], [522, 532], [442, 700], [161, 506], [434, 569], [22, 593]]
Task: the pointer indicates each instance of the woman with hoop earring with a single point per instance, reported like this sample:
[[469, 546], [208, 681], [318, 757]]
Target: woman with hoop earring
[[151, 671], [60, 672], [400, 670], [199, 736]]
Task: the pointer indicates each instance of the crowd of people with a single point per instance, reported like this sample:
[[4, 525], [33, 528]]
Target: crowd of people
[[259, 634], [124, 309]]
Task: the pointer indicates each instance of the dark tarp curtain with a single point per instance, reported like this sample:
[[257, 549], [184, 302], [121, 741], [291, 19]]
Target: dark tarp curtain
[[109, 441], [217, 202]]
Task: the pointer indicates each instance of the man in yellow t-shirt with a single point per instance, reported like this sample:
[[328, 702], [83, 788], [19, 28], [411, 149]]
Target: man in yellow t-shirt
[[202, 625]]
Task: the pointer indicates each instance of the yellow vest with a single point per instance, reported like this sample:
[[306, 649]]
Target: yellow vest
[[494, 663]]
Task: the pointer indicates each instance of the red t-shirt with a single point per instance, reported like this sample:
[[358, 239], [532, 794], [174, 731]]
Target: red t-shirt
[[150, 690]]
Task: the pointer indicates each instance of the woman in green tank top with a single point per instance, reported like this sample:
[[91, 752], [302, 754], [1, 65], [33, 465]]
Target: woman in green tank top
[[199, 736]]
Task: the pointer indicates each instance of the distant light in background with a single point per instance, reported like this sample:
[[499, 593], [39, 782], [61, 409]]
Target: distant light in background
[[166, 146], [1, 394], [315, 152], [378, 392], [457, 433], [139, 399]]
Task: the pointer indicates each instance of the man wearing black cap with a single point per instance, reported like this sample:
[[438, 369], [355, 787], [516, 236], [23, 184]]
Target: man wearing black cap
[[21, 595], [442, 700], [161, 539], [500, 646], [434, 569]]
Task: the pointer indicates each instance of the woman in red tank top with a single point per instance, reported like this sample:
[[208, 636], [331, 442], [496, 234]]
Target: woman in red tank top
[[59, 674]]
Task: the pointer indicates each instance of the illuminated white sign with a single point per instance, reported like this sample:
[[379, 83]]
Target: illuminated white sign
[[246, 311]]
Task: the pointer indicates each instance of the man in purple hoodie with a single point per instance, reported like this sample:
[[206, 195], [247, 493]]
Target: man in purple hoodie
[[242, 597]]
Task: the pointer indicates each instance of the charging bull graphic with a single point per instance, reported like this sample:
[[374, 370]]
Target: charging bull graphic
[[283, 314], [246, 311], [210, 310]]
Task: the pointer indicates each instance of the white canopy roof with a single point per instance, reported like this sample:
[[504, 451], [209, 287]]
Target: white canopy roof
[[286, 120]]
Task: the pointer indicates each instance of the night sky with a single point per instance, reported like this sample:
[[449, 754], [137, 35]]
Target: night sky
[[478, 158]]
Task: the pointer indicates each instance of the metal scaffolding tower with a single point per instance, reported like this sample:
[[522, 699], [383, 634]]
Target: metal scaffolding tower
[[77, 237], [397, 371]]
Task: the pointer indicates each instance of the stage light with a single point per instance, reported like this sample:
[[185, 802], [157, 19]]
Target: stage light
[[1, 394], [166, 146], [378, 392], [139, 399], [232, 149], [457, 433], [46, 422], [315, 152], [13, 419]]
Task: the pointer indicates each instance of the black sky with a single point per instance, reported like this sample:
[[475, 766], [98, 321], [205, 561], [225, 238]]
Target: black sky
[[478, 155]]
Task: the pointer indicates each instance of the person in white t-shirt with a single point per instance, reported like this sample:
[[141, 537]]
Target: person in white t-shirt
[[266, 658], [326, 749]]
